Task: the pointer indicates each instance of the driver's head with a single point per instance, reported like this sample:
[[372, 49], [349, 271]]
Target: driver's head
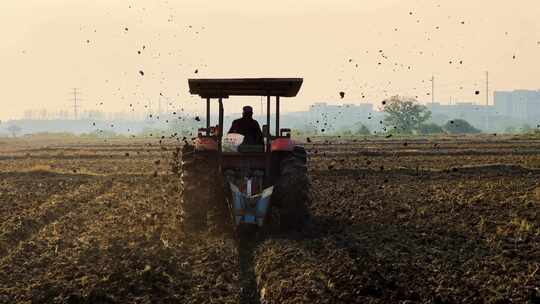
[[247, 111]]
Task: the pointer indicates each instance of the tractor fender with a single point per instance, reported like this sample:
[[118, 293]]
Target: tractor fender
[[283, 144], [206, 144]]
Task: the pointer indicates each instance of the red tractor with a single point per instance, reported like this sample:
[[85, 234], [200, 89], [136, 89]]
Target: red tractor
[[248, 185]]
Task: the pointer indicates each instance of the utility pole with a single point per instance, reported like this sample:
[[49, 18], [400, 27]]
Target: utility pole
[[487, 100], [432, 89], [487, 88], [75, 99], [159, 106]]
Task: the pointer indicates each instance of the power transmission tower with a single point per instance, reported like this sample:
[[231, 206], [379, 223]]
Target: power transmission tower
[[159, 106], [487, 88], [76, 101], [149, 113], [487, 100], [432, 89]]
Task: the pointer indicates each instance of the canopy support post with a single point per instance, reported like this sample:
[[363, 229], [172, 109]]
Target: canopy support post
[[220, 135], [268, 116], [277, 116], [268, 138], [208, 133]]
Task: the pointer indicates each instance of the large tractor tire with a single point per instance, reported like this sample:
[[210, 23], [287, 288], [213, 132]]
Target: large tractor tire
[[202, 190], [293, 191], [195, 197], [219, 215]]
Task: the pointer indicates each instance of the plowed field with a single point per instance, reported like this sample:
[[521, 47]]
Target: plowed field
[[394, 221]]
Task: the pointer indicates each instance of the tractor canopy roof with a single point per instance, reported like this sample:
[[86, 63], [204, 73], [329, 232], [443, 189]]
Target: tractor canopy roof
[[223, 88]]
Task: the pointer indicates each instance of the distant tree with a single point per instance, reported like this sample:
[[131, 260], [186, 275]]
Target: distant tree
[[180, 127], [362, 130], [305, 130], [430, 128], [510, 130], [346, 132], [14, 130], [157, 132], [101, 134], [404, 115], [460, 126], [526, 128]]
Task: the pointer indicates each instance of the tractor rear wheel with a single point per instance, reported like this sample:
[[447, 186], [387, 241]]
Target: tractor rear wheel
[[219, 216], [194, 199], [293, 191], [202, 203]]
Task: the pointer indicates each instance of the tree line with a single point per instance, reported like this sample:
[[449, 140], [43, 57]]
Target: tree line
[[406, 116]]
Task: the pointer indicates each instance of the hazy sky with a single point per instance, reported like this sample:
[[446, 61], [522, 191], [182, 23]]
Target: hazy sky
[[368, 49]]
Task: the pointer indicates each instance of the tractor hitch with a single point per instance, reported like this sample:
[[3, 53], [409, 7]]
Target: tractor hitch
[[250, 209]]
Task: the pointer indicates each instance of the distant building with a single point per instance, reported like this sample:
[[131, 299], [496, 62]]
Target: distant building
[[92, 114], [479, 116], [464, 110], [28, 114], [520, 104]]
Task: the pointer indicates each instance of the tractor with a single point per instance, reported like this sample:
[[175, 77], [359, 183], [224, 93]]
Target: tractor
[[225, 181]]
